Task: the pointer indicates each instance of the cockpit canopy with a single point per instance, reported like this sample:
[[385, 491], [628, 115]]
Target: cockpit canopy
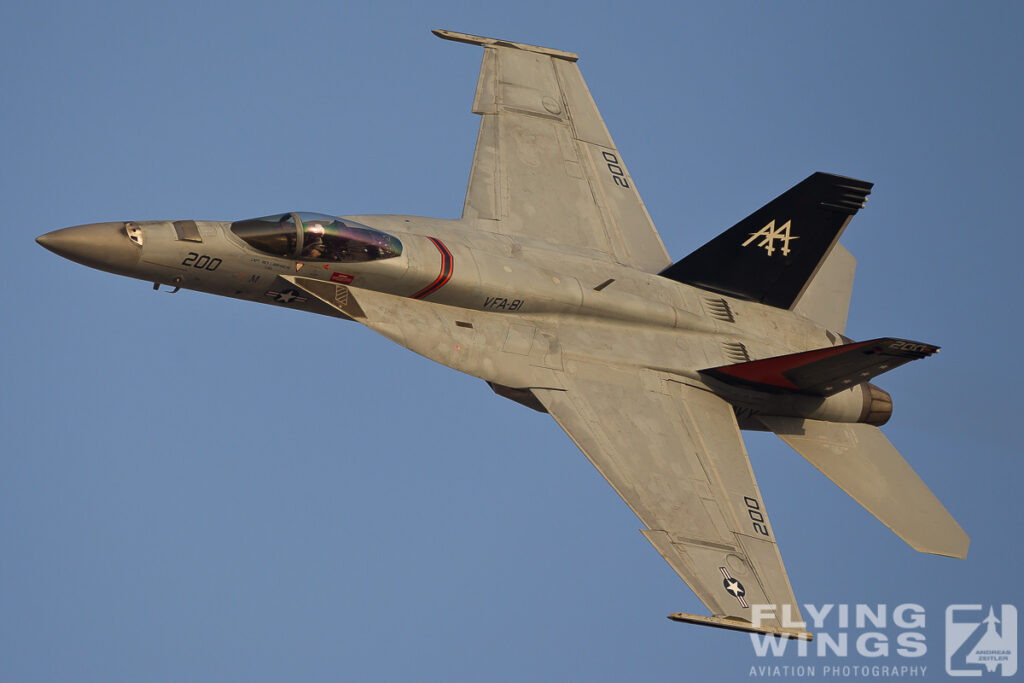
[[316, 237]]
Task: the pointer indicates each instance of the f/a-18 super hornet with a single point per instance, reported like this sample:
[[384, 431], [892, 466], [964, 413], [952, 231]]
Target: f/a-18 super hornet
[[555, 289]]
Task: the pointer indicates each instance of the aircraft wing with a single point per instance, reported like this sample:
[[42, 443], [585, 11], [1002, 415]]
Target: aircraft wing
[[674, 454], [545, 166]]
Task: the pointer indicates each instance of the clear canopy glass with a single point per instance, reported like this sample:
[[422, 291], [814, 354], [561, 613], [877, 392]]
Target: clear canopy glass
[[316, 237]]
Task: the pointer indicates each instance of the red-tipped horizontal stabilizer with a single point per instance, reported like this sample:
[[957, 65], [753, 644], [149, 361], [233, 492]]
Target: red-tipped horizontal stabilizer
[[823, 372]]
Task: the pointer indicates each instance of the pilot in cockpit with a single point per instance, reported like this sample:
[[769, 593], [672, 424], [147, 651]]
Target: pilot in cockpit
[[323, 238], [313, 245]]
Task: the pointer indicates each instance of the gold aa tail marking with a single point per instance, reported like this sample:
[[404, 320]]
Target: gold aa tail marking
[[770, 233]]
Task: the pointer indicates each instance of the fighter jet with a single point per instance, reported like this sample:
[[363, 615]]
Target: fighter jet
[[555, 289]]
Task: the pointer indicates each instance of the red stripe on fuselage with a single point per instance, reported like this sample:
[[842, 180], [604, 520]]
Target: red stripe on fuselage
[[447, 268]]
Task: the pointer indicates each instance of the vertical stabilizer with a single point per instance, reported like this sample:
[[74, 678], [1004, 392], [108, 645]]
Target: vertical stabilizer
[[771, 255], [826, 300]]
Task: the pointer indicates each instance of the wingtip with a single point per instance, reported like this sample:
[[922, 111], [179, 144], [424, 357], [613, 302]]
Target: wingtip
[[948, 539], [484, 41], [956, 550], [736, 624]]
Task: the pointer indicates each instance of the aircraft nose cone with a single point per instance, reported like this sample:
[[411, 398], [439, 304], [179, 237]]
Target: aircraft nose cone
[[98, 245]]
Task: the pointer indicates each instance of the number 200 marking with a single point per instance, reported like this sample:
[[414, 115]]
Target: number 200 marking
[[618, 175], [203, 262], [756, 516]]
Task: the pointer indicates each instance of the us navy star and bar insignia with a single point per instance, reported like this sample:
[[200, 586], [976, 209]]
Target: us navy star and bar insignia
[[734, 587], [286, 297]]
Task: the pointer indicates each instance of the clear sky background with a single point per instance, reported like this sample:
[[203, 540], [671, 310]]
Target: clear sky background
[[194, 488]]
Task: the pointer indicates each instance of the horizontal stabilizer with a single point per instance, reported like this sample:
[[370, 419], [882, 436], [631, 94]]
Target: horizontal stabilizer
[[823, 372], [772, 254], [735, 624], [862, 462]]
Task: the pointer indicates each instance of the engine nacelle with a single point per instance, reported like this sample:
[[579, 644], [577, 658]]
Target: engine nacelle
[[879, 408], [864, 402]]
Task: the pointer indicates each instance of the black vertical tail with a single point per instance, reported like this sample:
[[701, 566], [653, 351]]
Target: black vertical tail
[[772, 254]]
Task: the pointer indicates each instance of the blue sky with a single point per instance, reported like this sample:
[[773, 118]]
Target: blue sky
[[193, 488]]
